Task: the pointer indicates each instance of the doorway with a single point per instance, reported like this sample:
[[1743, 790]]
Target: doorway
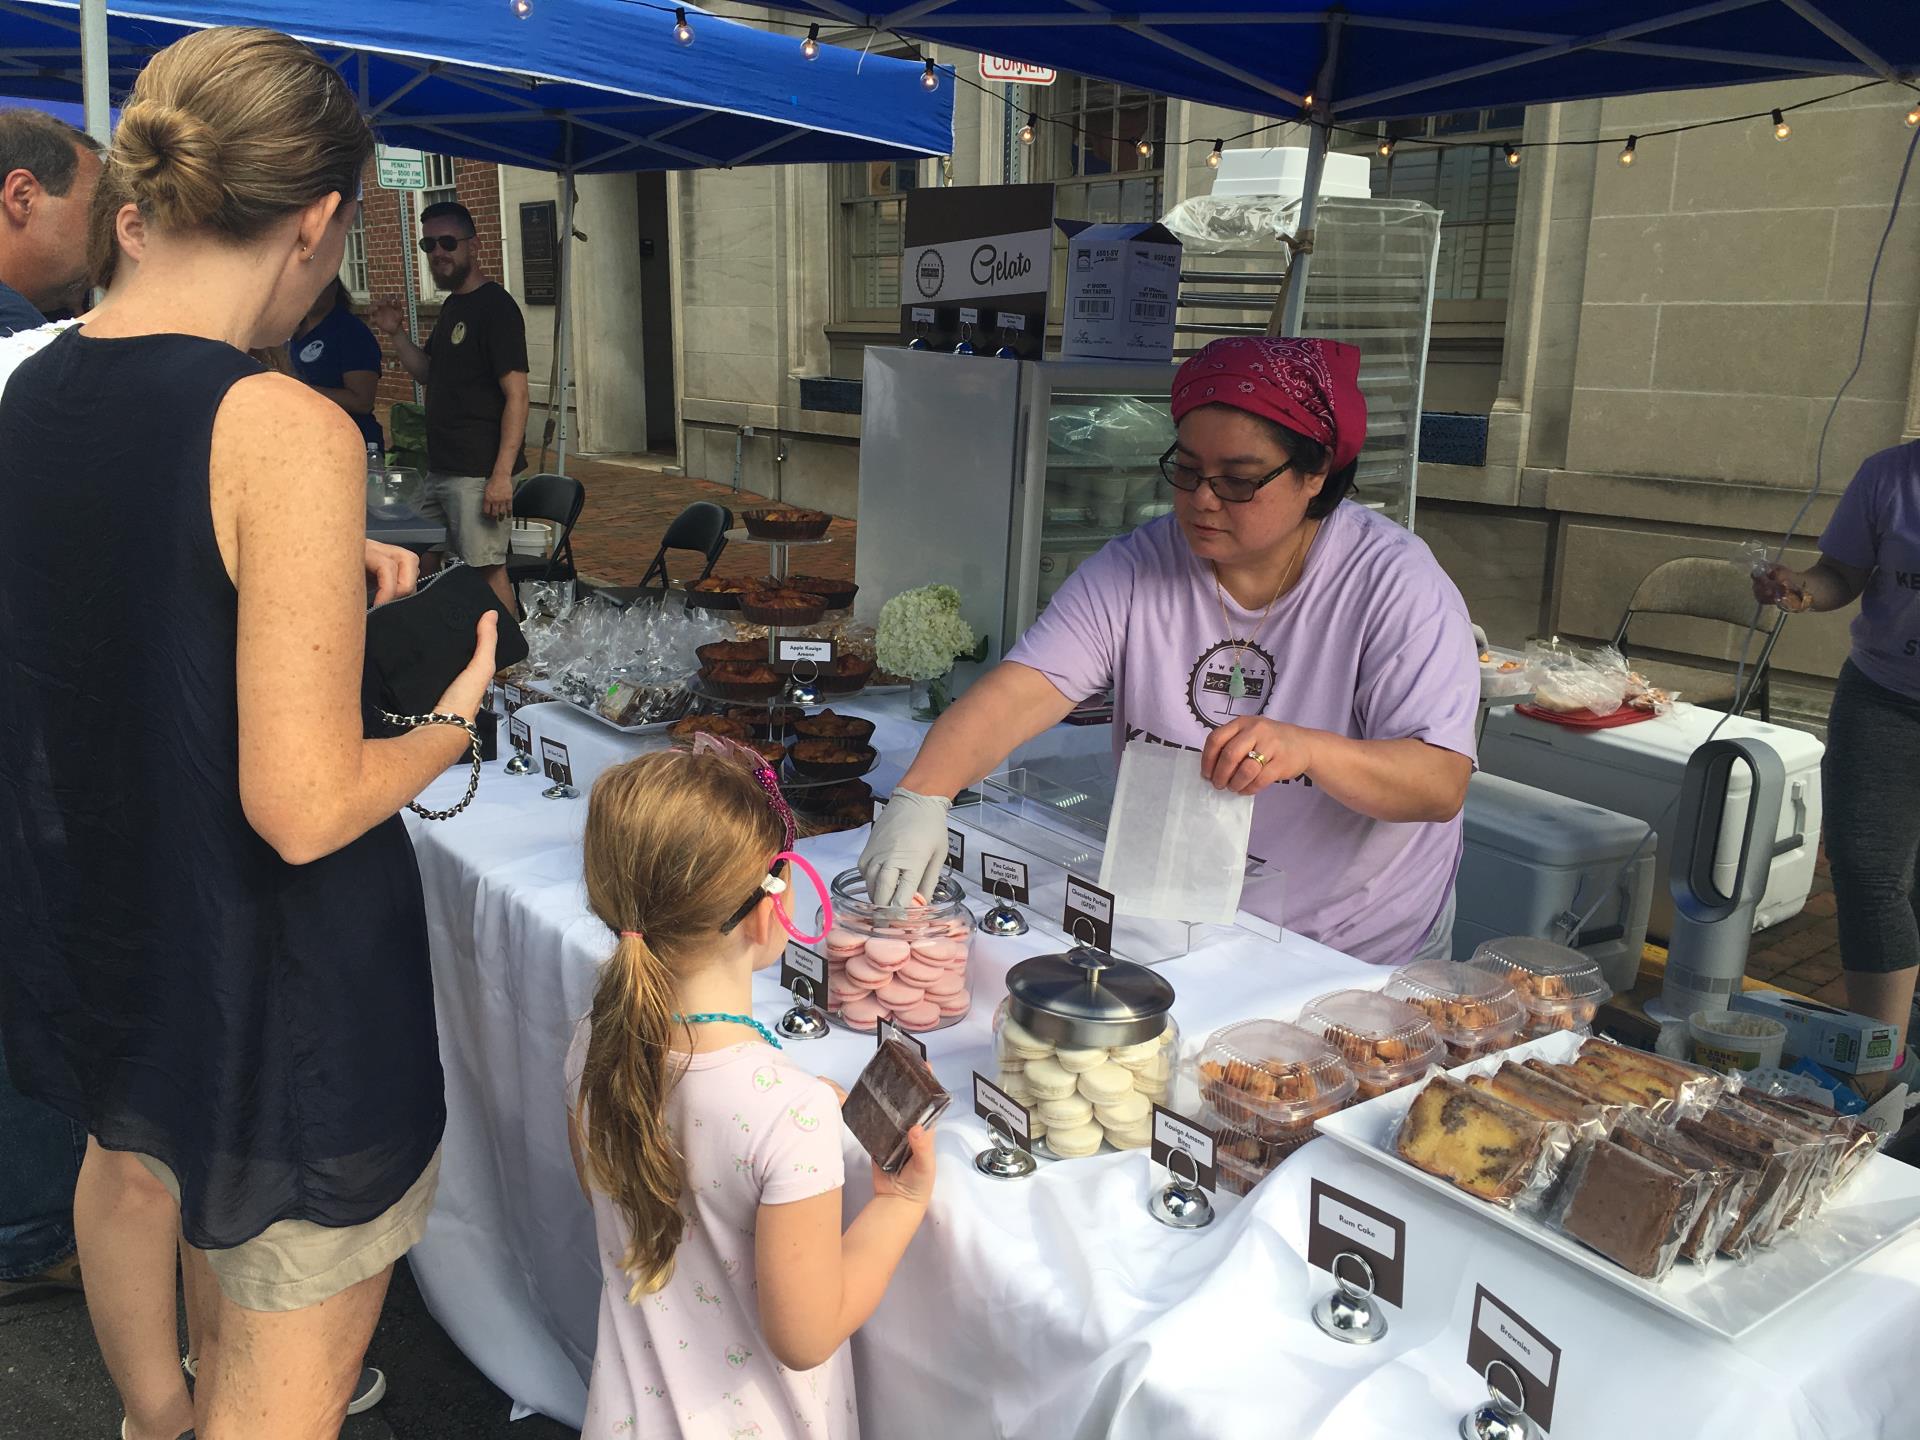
[[656, 312]]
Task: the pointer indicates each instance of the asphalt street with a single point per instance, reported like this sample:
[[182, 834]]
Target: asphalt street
[[53, 1385]]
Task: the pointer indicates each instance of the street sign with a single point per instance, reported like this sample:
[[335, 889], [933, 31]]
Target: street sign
[[1016, 72], [401, 169]]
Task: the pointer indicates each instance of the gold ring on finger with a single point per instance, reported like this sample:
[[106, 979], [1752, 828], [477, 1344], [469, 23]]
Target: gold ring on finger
[[1256, 757]]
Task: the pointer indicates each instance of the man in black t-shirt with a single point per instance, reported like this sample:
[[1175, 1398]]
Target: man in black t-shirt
[[474, 366]]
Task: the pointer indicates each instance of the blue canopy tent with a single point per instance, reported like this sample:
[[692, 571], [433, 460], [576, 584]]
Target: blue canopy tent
[[577, 87], [1389, 59]]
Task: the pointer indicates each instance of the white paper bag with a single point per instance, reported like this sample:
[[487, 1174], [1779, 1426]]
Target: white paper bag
[[1176, 847]]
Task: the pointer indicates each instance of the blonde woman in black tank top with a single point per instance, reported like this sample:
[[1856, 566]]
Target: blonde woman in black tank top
[[217, 955]]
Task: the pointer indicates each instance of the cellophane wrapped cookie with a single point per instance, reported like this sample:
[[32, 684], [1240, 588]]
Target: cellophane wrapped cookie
[[1475, 1012], [1262, 1085], [1083, 1097], [1385, 1042], [1561, 988]]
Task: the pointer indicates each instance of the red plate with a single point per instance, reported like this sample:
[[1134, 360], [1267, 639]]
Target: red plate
[[1586, 719]]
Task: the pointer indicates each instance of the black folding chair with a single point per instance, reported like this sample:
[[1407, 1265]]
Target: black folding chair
[[702, 528], [557, 499]]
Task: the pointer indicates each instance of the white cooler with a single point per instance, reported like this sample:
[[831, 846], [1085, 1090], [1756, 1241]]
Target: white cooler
[[1532, 858], [1637, 770]]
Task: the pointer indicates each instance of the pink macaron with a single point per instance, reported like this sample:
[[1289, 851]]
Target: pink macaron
[[949, 982], [923, 1016], [889, 953], [843, 994], [861, 1014], [957, 1004], [898, 992], [920, 972], [844, 942], [867, 973]]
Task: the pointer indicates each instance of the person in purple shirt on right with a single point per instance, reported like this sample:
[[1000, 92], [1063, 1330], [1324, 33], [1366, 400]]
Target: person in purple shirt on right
[[1310, 652], [1870, 775]]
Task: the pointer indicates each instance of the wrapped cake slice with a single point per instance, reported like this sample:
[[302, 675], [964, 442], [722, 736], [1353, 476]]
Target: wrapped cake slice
[[1544, 1099], [1635, 1211], [1724, 1194], [1592, 1082], [1771, 1164], [1484, 1146], [1688, 1089]]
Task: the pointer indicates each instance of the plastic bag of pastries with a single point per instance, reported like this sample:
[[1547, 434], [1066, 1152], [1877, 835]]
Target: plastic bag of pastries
[[1687, 1089], [1858, 1139], [1777, 1165], [1819, 1151], [1725, 1195], [1494, 1151], [1547, 1099], [1635, 1209]]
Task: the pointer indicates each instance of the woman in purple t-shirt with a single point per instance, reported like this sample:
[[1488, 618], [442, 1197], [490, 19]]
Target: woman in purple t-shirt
[[1309, 652], [1870, 775]]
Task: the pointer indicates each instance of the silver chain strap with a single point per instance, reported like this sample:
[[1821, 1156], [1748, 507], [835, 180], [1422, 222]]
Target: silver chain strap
[[437, 717]]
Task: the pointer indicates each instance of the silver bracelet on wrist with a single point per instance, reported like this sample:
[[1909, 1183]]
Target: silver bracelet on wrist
[[441, 717]]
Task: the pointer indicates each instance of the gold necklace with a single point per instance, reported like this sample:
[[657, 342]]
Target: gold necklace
[[1237, 680]]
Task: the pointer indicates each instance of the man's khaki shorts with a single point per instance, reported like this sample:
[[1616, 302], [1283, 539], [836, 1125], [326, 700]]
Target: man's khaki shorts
[[456, 501], [295, 1263]]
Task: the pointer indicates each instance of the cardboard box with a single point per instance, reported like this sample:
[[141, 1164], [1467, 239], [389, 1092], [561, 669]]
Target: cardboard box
[[1123, 285], [1837, 1039]]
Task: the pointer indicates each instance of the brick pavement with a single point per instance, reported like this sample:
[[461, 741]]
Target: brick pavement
[[629, 505]]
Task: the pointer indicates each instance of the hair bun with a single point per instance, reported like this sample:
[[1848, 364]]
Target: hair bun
[[170, 160]]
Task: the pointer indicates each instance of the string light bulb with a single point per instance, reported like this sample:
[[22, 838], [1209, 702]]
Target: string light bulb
[[1145, 148], [1626, 155], [1026, 130], [1513, 155], [682, 31], [522, 9], [1913, 116], [929, 77], [1781, 130], [1213, 155], [1306, 101], [810, 47], [1386, 148]]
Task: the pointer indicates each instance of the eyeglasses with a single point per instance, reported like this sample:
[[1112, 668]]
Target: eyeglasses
[[1234, 489], [445, 242]]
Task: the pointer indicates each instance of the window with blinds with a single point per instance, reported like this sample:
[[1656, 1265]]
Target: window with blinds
[[872, 225], [1469, 182]]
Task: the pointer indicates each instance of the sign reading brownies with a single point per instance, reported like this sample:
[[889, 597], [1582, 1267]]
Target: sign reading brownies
[[986, 250]]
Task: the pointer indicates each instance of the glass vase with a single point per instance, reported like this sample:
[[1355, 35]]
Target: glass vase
[[928, 698]]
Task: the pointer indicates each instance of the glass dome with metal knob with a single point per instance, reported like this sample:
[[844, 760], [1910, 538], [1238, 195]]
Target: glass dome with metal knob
[[1088, 1044]]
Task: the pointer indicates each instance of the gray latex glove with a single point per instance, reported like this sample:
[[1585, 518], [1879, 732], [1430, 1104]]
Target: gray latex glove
[[907, 850]]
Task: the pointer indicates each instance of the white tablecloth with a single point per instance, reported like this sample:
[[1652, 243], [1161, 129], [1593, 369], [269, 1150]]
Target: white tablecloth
[[1056, 1307]]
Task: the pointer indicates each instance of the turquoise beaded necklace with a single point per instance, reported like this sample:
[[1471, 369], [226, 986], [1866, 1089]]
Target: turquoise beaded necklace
[[717, 1018]]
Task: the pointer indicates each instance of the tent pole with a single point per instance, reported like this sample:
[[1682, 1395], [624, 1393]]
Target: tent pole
[[93, 69], [1309, 208], [563, 317]]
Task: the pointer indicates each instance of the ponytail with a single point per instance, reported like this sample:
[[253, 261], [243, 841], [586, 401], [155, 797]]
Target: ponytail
[[623, 1092], [673, 840]]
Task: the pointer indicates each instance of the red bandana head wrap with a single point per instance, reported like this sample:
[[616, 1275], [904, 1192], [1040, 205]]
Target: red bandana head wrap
[[1311, 387]]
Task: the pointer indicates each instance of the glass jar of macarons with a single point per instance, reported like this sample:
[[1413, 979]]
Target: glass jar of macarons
[[907, 965], [1088, 1044]]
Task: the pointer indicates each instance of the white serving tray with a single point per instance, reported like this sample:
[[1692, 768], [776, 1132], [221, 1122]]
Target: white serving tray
[[1727, 1298]]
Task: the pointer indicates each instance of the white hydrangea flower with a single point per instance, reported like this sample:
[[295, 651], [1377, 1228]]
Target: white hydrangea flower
[[921, 633]]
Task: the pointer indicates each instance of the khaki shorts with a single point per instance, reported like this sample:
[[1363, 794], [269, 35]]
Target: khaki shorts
[[455, 500], [295, 1263]]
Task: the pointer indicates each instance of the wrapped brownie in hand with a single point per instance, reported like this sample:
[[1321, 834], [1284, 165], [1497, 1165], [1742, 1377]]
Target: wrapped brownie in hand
[[893, 1094]]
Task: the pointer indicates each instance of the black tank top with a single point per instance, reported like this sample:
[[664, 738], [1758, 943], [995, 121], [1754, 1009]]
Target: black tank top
[[166, 979]]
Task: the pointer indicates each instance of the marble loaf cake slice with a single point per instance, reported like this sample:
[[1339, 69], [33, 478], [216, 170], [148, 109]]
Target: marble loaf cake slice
[[1485, 1146]]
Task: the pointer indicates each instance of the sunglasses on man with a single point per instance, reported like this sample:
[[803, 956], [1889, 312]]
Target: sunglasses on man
[[444, 242]]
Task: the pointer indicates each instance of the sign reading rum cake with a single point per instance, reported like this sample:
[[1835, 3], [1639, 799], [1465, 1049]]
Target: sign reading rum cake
[[975, 265]]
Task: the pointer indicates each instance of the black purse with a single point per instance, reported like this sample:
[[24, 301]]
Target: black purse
[[417, 644]]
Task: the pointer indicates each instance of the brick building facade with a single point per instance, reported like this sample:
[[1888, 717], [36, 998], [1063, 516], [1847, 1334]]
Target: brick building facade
[[390, 241]]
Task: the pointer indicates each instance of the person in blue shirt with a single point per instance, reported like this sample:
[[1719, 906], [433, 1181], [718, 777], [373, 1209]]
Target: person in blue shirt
[[335, 353]]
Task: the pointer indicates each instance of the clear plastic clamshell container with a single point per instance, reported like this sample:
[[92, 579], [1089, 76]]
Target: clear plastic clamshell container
[[1475, 1011], [1561, 988], [1262, 1084], [1387, 1042]]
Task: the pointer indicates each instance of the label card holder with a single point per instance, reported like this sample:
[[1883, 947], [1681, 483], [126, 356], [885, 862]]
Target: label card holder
[[797, 962], [1173, 1132], [555, 762], [1340, 1224], [1087, 917], [1009, 320], [790, 653], [956, 852], [519, 735], [990, 1100], [1005, 879], [1498, 1333]]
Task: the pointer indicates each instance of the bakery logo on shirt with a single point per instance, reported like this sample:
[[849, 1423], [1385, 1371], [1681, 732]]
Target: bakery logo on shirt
[[312, 351], [1210, 683], [459, 331]]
